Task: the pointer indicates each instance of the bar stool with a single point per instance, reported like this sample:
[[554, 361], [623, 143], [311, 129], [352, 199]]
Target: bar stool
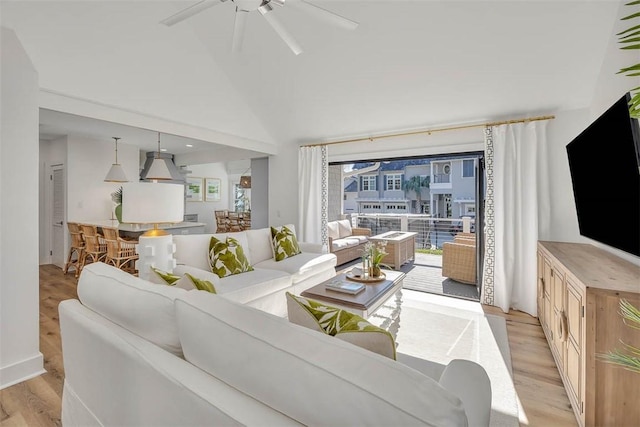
[[95, 248], [121, 253], [77, 248]]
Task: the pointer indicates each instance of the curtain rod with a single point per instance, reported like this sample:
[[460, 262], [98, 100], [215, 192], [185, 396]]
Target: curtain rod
[[430, 131]]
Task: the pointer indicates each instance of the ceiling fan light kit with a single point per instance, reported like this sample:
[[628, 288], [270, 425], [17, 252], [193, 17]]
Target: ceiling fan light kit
[[265, 7]]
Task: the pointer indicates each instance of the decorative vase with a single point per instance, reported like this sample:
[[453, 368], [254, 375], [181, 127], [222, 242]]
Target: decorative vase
[[118, 211], [374, 271]]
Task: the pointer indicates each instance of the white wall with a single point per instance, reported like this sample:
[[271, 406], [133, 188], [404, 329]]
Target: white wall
[[205, 210], [20, 358], [568, 124], [88, 161]]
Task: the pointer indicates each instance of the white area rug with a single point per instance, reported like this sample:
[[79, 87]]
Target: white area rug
[[441, 329]]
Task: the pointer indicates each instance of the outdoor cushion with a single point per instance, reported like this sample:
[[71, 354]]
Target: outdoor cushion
[[344, 243], [341, 324], [333, 230], [344, 225], [227, 257]]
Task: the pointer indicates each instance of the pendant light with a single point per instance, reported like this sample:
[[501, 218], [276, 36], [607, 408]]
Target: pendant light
[[116, 173], [159, 169], [245, 180]]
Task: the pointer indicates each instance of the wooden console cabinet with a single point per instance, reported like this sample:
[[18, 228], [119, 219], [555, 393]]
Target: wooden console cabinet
[[579, 291]]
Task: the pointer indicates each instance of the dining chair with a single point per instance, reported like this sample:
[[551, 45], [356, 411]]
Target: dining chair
[[121, 253], [76, 248], [234, 222], [222, 221]]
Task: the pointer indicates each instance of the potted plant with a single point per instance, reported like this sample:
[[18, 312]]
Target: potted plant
[[375, 253], [116, 197]]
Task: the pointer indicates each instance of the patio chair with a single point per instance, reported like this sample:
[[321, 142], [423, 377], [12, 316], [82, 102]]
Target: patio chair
[[459, 260]]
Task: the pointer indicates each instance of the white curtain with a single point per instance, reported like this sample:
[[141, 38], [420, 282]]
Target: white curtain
[[517, 213], [313, 177]]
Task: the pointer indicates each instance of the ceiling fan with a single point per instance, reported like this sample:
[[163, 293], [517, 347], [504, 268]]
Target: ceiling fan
[[265, 7]]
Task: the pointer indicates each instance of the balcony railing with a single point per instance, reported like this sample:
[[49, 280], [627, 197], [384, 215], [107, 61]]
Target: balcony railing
[[432, 232]]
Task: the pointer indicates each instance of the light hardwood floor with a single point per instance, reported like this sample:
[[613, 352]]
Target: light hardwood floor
[[37, 402]]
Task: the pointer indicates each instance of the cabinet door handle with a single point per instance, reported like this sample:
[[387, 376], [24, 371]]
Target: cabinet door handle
[[564, 327]]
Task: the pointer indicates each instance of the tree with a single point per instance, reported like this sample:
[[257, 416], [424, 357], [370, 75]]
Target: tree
[[416, 183]]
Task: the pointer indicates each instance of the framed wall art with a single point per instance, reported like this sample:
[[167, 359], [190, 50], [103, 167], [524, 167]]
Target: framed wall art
[[212, 189], [194, 189]]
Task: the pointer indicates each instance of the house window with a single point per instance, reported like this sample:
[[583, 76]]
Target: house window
[[393, 181], [369, 183], [468, 168]]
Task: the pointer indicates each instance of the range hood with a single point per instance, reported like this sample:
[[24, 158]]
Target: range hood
[[176, 175]]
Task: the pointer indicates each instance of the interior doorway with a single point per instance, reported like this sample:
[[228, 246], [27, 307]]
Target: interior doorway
[[57, 215], [440, 198]]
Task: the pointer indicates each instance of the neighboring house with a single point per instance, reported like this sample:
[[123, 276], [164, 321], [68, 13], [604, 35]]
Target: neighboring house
[[350, 195], [450, 192]]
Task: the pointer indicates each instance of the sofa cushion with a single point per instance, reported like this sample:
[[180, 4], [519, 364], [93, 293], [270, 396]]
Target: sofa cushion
[[301, 266], [259, 244], [227, 257], [285, 243], [313, 378], [193, 249], [243, 287], [333, 230], [137, 305], [344, 225], [341, 324]]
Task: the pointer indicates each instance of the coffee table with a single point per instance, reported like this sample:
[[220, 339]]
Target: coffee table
[[374, 303], [401, 247]]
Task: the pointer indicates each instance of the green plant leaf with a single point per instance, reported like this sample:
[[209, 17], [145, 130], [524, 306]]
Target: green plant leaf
[[635, 27]]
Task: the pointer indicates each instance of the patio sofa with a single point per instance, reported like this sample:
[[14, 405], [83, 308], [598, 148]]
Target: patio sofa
[[139, 353], [345, 241], [266, 286]]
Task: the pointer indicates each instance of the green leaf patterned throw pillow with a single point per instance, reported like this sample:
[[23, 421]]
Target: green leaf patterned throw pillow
[[341, 324], [201, 285], [167, 278], [227, 258], [284, 241]]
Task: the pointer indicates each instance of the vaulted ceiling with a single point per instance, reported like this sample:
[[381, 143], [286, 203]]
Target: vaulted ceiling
[[409, 64]]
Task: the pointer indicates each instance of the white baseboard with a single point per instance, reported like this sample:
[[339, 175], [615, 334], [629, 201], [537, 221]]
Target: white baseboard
[[22, 371]]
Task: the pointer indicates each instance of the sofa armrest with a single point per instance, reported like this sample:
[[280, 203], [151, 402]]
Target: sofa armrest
[[470, 383], [314, 248], [359, 231]]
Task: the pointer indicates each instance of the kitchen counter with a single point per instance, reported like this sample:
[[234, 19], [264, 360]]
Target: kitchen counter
[[135, 230]]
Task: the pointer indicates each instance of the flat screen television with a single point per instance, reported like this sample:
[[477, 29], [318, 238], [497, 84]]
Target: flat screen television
[[604, 161]]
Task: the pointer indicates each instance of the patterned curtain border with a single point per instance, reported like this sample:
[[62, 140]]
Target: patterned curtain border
[[489, 219], [324, 214]]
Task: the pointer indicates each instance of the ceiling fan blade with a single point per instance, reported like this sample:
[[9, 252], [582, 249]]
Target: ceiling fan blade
[[238, 30], [190, 11], [326, 15], [278, 28]]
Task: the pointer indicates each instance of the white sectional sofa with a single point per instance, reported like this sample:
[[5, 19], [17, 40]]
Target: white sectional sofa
[[139, 353], [266, 285]]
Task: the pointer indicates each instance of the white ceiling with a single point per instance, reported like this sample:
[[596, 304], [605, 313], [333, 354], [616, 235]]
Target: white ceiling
[[409, 64]]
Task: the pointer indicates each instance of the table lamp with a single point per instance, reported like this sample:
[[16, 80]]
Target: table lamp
[[153, 203]]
